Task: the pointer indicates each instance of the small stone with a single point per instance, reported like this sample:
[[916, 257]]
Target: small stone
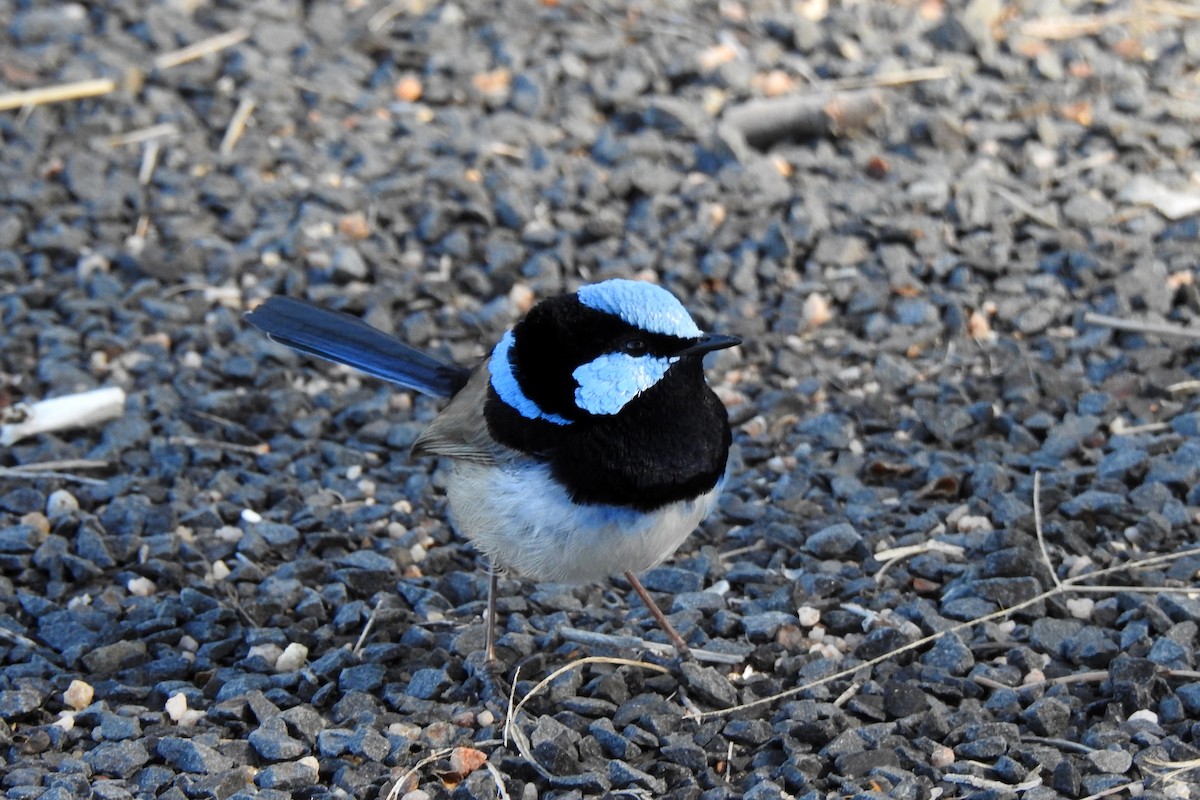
[[272, 742], [140, 586], [78, 695], [61, 503], [672, 580], [289, 776], [192, 756], [117, 759], [1115, 762], [833, 542], [176, 706], [808, 616], [429, 683], [368, 743], [951, 655], [1081, 607], [622, 774], [18, 702], [365, 678], [763, 627], [1047, 716], [292, 658], [901, 699], [709, 685]]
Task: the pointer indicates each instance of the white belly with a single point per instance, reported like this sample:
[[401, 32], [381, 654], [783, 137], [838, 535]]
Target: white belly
[[524, 521]]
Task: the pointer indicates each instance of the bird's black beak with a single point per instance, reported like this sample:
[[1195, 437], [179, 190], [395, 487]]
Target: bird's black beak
[[708, 343]]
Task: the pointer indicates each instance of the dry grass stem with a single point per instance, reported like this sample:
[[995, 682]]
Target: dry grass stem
[[1059, 28], [1184, 386], [883, 80], [232, 447], [1156, 328], [1133, 787], [204, 47], [1037, 527], [149, 133], [498, 778], [149, 162], [976, 782], [59, 93], [581, 636], [398, 786], [894, 555], [237, 125], [1019, 203]]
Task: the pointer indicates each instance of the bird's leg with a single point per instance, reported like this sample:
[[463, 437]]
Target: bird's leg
[[493, 587], [680, 646], [485, 666]]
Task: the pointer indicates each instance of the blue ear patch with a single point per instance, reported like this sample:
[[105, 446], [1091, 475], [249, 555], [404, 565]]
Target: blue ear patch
[[610, 381], [505, 383], [643, 305]]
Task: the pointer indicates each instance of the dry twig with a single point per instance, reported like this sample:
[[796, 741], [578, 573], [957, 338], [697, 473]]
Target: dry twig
[[237, 125], [78, 90], [1135, 326], [204, 47]]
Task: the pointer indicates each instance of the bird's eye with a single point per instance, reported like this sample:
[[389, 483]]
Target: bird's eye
[[635, 347]]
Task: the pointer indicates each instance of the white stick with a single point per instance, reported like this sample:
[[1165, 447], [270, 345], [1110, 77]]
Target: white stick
[[70, 411]]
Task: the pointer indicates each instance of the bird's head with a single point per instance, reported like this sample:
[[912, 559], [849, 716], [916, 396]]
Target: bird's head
[[588, 355]]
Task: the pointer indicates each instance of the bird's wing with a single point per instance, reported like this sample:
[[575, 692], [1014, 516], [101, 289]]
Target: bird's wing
[[348, 340], [460, 431]]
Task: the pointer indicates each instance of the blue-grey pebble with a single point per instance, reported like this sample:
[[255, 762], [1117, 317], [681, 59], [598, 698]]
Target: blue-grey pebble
[[428, 683], [834, 541], [192, 756], [117, 759]]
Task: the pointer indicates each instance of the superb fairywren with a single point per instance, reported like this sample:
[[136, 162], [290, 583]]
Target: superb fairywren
[[588, 444]]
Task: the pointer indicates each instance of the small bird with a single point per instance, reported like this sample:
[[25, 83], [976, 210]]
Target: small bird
[[588, 444]]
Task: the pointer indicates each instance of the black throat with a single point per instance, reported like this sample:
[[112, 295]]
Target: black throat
[[670, 443]]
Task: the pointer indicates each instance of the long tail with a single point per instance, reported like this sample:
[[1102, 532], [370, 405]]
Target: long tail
[[348, 340]]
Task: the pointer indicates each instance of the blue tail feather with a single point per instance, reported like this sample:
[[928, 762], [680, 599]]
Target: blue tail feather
[[348, 340]]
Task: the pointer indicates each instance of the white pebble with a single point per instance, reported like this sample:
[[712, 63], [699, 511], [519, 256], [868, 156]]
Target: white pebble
[[416, 794], [485, 718], [353, 472], [188, 644], [1081, 607], [229, 533], [250, 515], [220, 570], [176, 706], [140, 586], [66, 720], [79, 695], [808, 616], [267, 652], [974, 524], [292, 658], [60, 503], [1144, 715]]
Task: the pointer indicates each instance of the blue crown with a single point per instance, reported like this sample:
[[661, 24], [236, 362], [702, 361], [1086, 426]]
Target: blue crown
[[643, 305]]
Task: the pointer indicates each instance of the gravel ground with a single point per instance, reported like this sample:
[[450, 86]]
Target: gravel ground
[[920, 216]]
